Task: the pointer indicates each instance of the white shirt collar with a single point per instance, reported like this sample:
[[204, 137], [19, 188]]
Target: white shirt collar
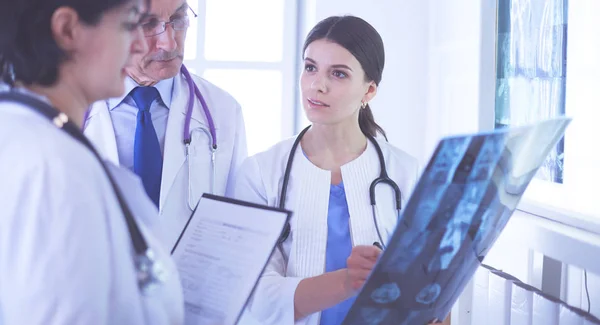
[[164, 87]]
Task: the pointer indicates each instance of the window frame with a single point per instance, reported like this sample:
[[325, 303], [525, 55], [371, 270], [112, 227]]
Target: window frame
[[287, 65], [543, 199]]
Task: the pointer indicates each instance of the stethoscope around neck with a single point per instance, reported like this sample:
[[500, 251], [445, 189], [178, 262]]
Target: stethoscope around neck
[[382, 179], [187, 134], [211, 132]]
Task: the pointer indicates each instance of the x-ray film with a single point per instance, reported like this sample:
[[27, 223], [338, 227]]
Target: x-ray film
[[462, 202]]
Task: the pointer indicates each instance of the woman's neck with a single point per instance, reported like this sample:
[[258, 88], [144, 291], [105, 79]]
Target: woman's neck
[[331, 146], [66, 98]]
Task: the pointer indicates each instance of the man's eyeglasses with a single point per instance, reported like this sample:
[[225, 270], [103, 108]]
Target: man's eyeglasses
[[155, 27]]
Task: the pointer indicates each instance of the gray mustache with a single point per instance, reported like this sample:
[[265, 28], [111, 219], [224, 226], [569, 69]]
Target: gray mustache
[[164, 56]]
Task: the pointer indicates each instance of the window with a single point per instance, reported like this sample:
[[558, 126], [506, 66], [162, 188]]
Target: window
[[531, 66], [547, 65], [248, 48], [262, 109]]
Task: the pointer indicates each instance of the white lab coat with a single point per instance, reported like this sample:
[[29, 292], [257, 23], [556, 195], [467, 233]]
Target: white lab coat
[[182, 186], [65, 252], [260, 180]]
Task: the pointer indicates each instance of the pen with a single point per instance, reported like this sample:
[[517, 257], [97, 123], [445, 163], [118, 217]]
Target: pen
[[378, 245]]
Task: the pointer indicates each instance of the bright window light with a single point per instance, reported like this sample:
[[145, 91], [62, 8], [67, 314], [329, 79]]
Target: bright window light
[[259, 94], [191, 38], [243, 30]]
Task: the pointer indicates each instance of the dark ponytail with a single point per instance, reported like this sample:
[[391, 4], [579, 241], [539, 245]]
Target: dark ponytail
[[365, 44], [367, 123]]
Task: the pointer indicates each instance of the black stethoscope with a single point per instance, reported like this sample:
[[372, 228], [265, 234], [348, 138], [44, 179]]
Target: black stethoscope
[[150, 272], [383, 178]]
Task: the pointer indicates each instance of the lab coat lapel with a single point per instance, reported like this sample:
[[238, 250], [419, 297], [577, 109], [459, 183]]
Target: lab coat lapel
[[309, 224], [98, 127], [358, 175], [174, 152]]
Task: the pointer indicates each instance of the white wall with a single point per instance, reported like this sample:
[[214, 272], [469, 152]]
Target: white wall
[[400, 106], [459, 82]]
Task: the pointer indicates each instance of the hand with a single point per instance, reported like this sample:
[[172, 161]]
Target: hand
[[360, 264]]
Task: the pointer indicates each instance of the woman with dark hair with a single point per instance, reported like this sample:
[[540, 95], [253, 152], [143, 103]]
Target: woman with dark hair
[[72, 248], [323, 175]]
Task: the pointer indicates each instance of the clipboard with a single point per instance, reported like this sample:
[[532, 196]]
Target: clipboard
[[220, 254]]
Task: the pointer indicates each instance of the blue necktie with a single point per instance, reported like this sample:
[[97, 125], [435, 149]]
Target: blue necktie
[[147, 157]]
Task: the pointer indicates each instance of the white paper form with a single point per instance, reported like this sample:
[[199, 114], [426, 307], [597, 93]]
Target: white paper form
[[221, 254]]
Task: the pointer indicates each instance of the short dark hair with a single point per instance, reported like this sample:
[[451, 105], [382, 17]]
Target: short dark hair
[[365, 44], [28, 51]]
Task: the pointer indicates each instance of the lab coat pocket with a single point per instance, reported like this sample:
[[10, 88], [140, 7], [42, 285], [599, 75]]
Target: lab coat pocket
[[200, 166]]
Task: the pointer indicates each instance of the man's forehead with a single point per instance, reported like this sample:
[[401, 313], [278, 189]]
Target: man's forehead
[[166, 8]]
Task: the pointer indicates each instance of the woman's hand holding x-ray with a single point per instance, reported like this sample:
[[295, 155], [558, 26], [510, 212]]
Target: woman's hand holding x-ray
[[360, 264]]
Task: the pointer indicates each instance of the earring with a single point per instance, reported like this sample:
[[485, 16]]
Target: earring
[[363, 104]]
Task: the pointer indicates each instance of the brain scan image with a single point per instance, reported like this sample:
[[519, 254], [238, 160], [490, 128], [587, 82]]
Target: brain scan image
[[386, 293], [373, 316], [429, 294]]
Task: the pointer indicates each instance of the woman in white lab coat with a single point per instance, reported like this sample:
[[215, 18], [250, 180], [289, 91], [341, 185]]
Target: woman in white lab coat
[[63, 223], [314, 275]]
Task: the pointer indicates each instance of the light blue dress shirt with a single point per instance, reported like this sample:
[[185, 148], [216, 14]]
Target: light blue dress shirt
[[339, 247], [123, 113]]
